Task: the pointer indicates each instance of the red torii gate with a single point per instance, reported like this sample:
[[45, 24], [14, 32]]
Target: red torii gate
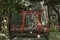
[[38, 13]]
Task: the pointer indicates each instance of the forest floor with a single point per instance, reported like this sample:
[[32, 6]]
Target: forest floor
[[54, 36]]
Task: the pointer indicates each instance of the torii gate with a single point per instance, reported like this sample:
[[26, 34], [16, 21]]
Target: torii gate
[[24, 12]]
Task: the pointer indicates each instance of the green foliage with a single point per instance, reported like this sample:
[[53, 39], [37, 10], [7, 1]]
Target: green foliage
[[54, 2], [35, 0], [8, 6], [31, 20], [16, 18], [2, 38]]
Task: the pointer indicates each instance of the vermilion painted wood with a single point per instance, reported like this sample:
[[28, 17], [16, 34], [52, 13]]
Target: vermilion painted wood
[[24, 12]]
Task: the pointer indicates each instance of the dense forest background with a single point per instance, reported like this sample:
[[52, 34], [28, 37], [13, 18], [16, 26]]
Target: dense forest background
[[8, 7]]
